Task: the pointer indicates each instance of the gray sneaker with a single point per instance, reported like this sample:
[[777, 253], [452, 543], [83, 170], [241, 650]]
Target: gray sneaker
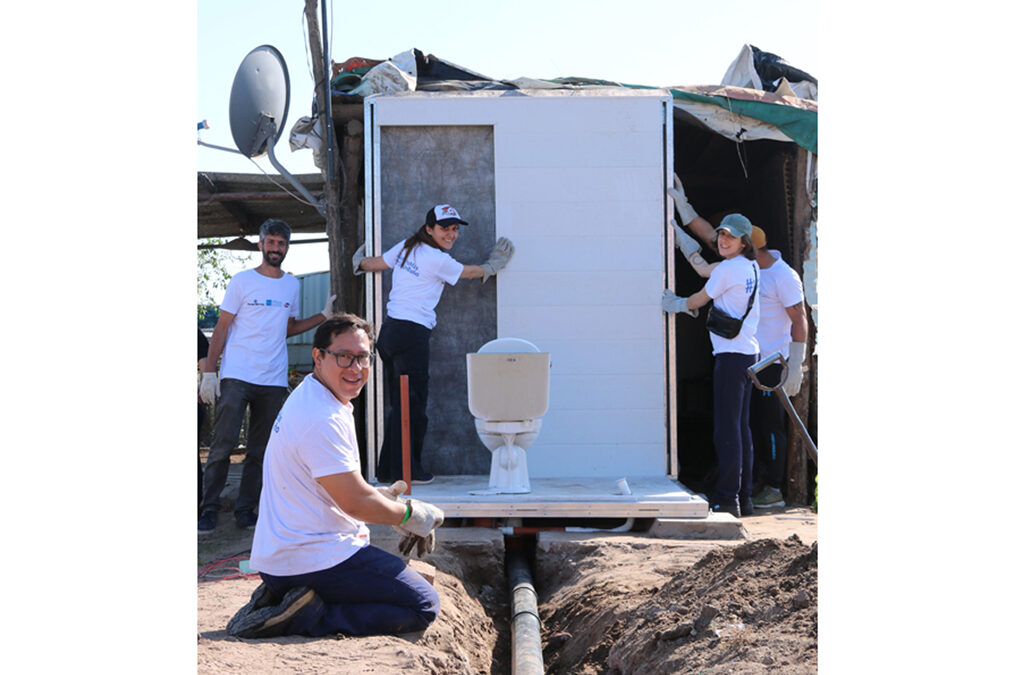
[[768, 497], [263, 617]]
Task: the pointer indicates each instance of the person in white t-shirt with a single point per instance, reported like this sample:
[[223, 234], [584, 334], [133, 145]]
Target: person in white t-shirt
[[732, 287], [257, 315], [421, 267], [311, 546], [781, 328]]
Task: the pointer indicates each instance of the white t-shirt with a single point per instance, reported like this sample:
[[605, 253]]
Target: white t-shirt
[[255, 350], [731, 283], [300, 528], [416, 285], [780, 288]]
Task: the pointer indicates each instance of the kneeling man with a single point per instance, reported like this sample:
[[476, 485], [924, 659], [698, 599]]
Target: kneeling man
[[311, 545]]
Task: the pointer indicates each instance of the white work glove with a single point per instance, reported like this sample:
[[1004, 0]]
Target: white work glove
[[422, 520], [209, 387], [392, 491], [500, 255], [357, 258], [686, 212], [687, 244], [409, 541], [418, 530], [795, 364], [673, 304], [328, 310]]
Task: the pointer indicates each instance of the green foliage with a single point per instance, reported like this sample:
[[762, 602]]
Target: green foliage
[[214, 268]]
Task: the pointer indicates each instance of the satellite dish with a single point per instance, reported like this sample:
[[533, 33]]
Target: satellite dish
[[257, 111], [258, 105]]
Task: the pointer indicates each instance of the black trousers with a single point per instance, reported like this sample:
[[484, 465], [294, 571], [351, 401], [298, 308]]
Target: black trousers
[[733, 443], [768, 426], [404, 348]]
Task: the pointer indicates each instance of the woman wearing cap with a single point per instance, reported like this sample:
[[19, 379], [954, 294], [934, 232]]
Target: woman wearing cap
[[421, 267], [732, 288]]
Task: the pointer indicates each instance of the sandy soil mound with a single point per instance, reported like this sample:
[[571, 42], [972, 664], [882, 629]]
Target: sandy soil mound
[[750, 608], [464, 639]]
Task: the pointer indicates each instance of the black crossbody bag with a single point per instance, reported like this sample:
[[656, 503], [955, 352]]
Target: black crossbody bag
[[727, 326]]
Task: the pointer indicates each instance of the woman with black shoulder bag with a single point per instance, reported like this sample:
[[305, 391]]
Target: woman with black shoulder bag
[[732, 323]]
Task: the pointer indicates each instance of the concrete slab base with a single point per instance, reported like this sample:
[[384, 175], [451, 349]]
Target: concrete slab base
[[715, 526]]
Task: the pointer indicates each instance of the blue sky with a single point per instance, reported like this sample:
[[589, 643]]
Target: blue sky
[[654, 42]]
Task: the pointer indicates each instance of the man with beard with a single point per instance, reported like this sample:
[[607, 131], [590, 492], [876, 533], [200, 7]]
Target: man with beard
[[256, 317]]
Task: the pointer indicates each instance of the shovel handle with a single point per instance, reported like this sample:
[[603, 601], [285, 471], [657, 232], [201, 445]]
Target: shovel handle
[[752, 371], [774, 357]]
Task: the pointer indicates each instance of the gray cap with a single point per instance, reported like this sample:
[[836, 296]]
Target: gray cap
[[736, 224]]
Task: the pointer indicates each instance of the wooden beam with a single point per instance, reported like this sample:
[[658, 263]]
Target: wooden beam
[[248, 196]]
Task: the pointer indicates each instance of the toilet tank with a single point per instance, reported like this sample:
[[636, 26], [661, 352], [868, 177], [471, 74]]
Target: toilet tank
[[508, 386]]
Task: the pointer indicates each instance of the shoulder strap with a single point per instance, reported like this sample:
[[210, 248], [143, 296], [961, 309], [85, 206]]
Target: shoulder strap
[[750, 303]]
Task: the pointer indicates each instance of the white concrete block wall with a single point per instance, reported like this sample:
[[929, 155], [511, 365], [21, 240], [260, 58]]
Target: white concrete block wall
[[579, 188], [579, 192]]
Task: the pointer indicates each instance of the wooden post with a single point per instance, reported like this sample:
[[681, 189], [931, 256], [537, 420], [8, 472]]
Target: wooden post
[[321, 83], [406, 452]]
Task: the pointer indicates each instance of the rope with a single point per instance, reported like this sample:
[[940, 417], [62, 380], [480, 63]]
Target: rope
[[221, 570]]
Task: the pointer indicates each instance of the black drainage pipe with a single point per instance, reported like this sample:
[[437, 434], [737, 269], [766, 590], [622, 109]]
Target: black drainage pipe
[[527, 654]]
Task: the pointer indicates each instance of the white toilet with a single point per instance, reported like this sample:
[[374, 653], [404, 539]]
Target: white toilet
[[508, 382]]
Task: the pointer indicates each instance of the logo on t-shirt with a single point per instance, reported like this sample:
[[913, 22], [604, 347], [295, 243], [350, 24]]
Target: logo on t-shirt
[[411, 267], [255, 302], [277, 423], [749, 287]]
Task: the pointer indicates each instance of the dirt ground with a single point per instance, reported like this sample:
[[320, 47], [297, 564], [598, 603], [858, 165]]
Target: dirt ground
[[609, 603]]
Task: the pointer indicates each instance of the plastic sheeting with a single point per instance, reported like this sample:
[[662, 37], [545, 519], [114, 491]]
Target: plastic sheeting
[[751, 115], [756, 69], [760, 98]]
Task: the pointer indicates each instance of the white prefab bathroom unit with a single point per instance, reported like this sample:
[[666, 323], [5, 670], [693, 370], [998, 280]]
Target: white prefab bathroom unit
[[577, 180]]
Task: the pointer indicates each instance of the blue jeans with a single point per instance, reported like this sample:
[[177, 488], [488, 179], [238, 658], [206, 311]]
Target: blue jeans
[[404, 348], [264, 403], [371, 593], [733, 442]]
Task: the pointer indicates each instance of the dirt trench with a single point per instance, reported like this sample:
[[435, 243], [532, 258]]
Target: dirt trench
[[608, 604]]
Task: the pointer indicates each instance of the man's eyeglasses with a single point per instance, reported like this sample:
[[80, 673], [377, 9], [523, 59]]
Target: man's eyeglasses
[[345, 359]]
